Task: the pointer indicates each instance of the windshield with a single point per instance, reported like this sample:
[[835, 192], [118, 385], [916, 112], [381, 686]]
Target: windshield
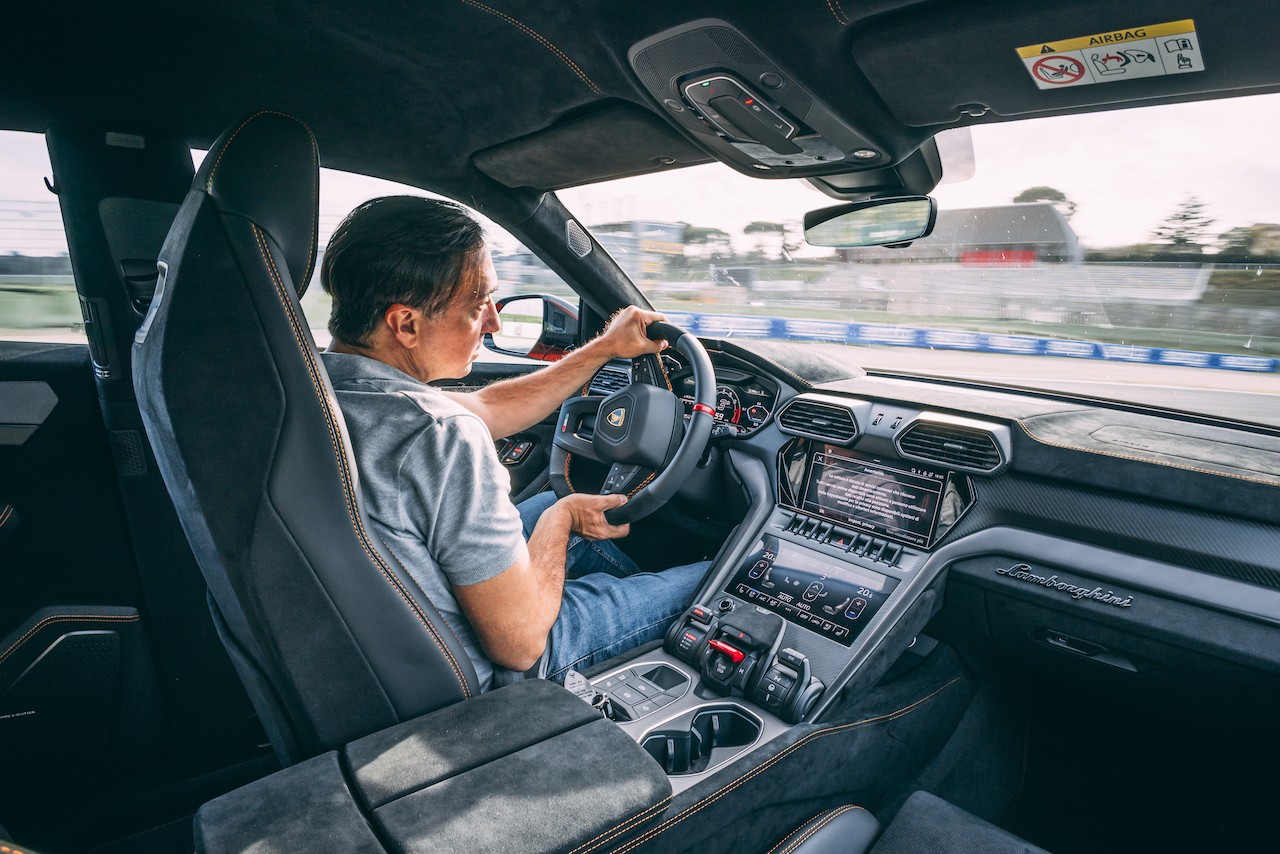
[[1130, 255]]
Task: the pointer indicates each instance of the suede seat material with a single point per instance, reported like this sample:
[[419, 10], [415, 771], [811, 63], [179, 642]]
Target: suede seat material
[[329, 633]]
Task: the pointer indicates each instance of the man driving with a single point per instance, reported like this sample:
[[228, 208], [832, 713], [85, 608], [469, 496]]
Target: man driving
[[412, 285]]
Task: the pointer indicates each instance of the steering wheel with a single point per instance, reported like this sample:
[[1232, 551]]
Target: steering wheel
[[640, 432]]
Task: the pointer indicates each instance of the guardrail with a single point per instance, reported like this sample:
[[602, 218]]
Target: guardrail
[[833, 331]]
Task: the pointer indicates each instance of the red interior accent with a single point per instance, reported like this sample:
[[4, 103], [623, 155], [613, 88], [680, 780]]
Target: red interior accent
[[732, 651]]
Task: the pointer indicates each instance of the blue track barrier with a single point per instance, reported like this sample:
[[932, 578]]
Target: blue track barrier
[[743, 326]]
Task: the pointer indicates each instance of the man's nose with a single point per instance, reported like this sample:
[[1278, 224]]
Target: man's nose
[[492, 323]]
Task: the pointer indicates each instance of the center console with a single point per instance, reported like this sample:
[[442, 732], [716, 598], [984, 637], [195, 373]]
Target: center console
[[828, 573]]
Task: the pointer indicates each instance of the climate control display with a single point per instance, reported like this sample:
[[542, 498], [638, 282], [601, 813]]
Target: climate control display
[[833, 599]]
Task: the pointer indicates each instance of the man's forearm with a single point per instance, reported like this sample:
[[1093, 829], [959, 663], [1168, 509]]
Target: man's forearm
[[509, 406], [512, 613]]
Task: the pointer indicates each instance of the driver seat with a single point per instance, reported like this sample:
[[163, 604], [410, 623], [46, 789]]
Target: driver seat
[[329, 633]]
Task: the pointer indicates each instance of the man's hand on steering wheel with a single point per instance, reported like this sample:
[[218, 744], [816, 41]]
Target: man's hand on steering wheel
[[586, 512], [651, 443], [626, 336]]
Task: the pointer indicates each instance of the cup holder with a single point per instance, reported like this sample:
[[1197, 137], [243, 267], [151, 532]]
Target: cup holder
[[713, 736]]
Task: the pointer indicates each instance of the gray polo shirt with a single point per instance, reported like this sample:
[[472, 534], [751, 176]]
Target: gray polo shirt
[[432, 485]]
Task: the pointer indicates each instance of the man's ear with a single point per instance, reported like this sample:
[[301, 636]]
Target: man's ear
[[404, 323]]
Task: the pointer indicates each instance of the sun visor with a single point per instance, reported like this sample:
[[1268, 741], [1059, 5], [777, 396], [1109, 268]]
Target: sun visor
[[965, 60], [617, 142]]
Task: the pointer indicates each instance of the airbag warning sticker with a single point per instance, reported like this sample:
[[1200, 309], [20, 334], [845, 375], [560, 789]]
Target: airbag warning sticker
[[1153, 51]]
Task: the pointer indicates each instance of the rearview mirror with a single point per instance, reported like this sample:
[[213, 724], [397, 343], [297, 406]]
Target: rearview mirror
[[879, 222]]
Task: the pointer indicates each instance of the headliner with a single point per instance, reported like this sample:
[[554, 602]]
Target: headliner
[[412, 91]]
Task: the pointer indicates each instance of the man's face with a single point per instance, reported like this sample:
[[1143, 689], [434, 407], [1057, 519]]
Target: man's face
[[453, 338]]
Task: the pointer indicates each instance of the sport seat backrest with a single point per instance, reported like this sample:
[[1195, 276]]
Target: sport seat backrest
[[330, 634]]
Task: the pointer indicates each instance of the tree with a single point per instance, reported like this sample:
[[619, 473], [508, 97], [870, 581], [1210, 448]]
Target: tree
[[711, 241], [762, 230], [1186, 229], [1237, 241], [1047, 194]]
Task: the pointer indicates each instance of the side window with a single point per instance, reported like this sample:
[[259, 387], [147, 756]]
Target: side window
[[37, 293], [519, 270]]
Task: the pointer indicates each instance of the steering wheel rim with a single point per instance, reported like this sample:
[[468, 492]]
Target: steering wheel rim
[[677, 466]]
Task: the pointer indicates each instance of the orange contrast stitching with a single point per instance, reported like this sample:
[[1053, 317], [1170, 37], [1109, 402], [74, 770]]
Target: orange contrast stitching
[[625, 826], [819, 822], [315, 158], [663, 370], [545, 43], [567, 482], [66, 618], [834, 6], [778, 757], [643, 484], [343, 471]]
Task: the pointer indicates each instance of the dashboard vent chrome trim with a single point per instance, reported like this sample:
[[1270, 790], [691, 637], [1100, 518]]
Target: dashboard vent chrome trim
[[823, 419], [609, 379], [957, 443]]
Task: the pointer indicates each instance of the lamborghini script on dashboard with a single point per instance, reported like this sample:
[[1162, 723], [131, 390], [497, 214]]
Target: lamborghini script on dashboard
[[1022, 572]]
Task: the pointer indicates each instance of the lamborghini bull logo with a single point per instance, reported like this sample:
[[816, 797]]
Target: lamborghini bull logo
[[617, 417]]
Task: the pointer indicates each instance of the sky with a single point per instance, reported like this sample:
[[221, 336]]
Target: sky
[[1126, 171]]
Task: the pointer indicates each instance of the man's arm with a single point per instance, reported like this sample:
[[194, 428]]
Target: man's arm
[[512, 613], [517, 404]]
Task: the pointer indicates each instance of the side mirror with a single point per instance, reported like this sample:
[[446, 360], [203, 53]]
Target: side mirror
[[878, 222], [535, 326]]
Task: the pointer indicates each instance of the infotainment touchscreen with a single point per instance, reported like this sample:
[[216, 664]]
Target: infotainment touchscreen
[[893, 499]]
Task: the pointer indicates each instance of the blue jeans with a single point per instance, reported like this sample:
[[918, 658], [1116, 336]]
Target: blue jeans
[[609, 605]]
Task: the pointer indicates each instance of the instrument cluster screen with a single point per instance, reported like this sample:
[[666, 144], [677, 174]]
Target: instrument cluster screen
[[743, 403], [827, 597], [895, 499]]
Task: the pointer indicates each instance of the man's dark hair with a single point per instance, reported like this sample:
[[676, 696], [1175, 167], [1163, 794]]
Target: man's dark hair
[[397, 249]]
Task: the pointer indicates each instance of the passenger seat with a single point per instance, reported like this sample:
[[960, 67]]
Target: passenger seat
[[925, 825]]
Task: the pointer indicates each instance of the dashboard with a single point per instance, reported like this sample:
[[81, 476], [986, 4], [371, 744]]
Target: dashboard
[[1058, 528]]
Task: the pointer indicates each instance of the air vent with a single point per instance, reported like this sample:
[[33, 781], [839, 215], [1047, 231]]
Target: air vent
[[953, 446], [826, 421], [609, 380]]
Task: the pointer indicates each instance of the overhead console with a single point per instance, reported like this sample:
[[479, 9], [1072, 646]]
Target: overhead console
[[744, 108]]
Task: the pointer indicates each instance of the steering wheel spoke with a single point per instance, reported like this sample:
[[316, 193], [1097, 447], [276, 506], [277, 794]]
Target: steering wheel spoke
[[569, 436], [622, 478], [640, 430]]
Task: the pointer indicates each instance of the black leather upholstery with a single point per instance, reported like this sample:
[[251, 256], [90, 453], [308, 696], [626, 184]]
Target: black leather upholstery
[[925, 824], [844, 830], [331, 636]]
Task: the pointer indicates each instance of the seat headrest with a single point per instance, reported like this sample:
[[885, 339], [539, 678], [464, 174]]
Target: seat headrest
[[266, 168]]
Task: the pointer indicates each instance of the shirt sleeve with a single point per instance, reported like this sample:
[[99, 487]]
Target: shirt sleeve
[[457, 494]]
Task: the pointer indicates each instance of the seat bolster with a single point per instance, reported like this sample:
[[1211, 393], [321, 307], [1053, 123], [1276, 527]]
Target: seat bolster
[[846, 829]]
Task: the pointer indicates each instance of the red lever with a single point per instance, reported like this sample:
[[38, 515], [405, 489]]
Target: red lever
[[735, 654]]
